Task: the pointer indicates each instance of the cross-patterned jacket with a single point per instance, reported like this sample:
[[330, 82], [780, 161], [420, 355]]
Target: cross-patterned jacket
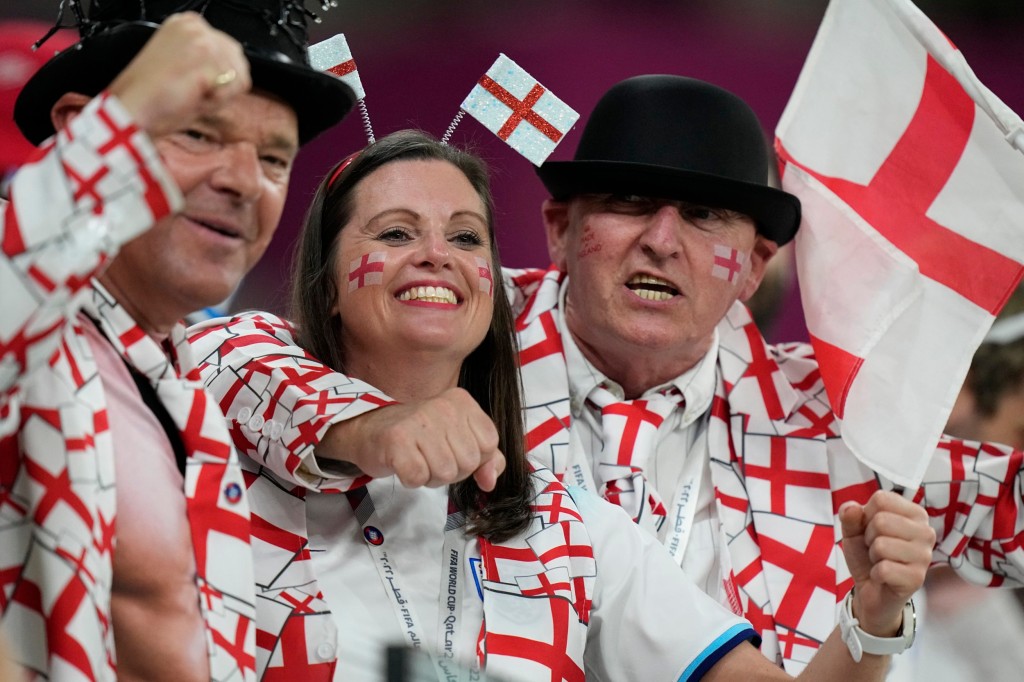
[[92, 188], [781, 471]]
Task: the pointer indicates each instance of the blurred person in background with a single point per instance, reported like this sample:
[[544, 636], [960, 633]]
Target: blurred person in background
[[974, 633], [18, 62]]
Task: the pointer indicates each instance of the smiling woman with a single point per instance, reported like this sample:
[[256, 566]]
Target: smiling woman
[[393, 235], [412, 275]]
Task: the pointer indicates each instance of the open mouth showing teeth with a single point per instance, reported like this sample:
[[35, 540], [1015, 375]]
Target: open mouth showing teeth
[[429, 295], [651, 288]]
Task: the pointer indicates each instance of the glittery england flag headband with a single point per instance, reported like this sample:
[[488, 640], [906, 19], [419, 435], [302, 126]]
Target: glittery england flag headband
[[513, 105], [334, 57], [507, 100]]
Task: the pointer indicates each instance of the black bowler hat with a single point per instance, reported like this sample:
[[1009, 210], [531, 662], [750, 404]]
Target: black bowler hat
[[272, 32], [679, 138]]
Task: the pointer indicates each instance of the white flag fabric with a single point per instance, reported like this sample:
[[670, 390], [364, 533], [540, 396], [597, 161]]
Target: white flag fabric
[[514, 106], [335, 57], [911, 177]]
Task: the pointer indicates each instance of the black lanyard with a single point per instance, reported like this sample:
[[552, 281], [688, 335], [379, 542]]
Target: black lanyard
[[153, 402]]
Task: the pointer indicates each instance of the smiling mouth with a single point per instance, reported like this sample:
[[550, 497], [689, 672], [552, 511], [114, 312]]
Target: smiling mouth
[[651, 288], [218, 229], [429, 295]]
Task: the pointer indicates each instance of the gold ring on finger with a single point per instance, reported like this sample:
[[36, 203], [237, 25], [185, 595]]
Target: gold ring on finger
[[224, 78]]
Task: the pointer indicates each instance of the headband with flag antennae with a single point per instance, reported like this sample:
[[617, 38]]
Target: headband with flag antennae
[[507, 100], [334, 56]]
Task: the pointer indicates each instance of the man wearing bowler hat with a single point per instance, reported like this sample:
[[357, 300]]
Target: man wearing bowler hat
[[167, 141], [646, 381]]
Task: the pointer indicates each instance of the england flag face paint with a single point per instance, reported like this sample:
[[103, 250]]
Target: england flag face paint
[[486, 278], [366, 270], [729, 263]]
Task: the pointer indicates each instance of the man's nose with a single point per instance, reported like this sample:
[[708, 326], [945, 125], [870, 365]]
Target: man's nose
[[661, 237], [239, 171]]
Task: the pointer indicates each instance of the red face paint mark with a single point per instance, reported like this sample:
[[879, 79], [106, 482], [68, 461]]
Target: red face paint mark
[[588, 243], [366, 270], [728, 263], [486, 279]]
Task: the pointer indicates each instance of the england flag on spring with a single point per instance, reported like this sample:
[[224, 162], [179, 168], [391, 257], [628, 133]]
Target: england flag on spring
[[911, 176], [335, 57], [514, 106]]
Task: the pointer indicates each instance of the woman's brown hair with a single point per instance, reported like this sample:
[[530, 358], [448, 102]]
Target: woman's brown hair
[[490, 373]]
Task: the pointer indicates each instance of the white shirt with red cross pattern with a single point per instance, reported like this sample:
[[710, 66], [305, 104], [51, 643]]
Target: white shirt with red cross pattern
[[94, 186]]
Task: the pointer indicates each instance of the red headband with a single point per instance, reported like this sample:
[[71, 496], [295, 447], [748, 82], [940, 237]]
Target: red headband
[[341, 166]]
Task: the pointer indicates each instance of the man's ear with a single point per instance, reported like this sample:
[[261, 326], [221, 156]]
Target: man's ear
[[556, 226], [763, 251], [66, 108]]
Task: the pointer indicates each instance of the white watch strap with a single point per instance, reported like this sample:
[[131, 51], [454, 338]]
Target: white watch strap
[[860, 642]]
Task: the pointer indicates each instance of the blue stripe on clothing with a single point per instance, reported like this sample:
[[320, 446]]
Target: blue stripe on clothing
[[714, 652]]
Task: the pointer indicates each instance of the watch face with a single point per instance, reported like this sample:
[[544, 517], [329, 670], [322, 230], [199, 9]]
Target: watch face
[[909, 612]]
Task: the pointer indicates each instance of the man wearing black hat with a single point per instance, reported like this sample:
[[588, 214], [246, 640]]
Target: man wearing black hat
[[646, 380], [124, 541]]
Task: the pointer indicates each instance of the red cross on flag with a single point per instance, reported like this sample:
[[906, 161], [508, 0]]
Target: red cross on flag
[[334, 56], [911, 176], [514, 106]]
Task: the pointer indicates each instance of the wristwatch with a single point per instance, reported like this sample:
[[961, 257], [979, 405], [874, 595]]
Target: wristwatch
[[860, 642]]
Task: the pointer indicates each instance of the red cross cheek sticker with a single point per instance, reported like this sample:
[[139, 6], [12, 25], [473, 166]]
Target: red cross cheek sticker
[[486, 278], [366, 270], [729, 263]]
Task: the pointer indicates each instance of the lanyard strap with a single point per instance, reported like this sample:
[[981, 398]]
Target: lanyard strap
[[684, 503], [449, 613], [579, 471], [155, 405]]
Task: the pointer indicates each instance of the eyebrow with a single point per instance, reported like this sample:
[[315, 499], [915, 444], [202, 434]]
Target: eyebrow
[[408, 211]]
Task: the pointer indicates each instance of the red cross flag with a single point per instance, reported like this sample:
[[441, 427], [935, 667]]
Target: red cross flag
[[728, 263], [334, 56], [911, 176], [514, 106], [366, 270]]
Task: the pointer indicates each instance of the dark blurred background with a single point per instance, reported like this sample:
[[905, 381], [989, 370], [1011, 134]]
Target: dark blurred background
[[419, 58]]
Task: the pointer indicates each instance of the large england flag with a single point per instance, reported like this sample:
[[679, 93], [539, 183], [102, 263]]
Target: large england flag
[[911, 176]]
